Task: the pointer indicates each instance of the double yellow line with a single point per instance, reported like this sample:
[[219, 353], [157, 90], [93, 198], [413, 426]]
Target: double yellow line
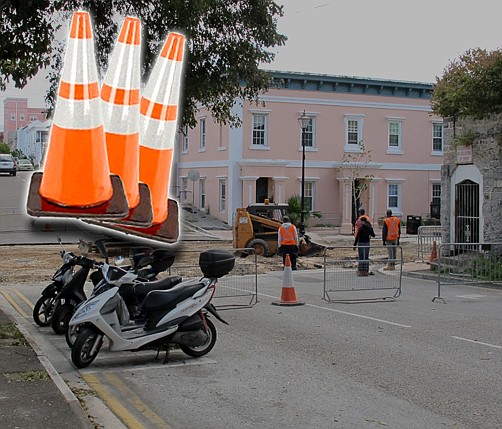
[[92, 381], [118, 408], [14, 304]]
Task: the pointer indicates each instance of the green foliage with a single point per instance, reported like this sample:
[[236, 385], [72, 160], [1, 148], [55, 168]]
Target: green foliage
[[26, 31], [4, 148], [226, 43], [487, 268], [470, 86], [295, 210]]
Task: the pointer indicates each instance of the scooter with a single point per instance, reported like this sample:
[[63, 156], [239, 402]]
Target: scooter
[[145, 267], [178, 316], [43, 309], [133, 286]]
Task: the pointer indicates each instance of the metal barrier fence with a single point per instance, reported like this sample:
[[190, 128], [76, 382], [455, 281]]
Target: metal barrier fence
[[342, 282], [426, 237], [237, 289], [468, 263]]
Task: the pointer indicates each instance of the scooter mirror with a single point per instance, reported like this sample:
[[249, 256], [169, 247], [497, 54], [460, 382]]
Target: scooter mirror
[[119, 260]]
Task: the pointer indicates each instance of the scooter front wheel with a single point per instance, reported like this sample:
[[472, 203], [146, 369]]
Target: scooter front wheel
[[72, 333], [198, 351], [86, 347], [43, 310]]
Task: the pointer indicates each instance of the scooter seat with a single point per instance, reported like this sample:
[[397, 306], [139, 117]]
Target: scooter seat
[[141, 289], [163, 299]]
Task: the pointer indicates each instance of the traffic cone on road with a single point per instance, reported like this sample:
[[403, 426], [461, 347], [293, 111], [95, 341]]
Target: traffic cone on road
[[120, 95], [76, 180], [434, 254], [158, 129], [288, 294]]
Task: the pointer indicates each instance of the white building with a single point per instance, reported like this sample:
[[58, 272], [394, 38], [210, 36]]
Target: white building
[[32, 140]]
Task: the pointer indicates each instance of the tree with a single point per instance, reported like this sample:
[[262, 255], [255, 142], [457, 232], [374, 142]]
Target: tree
[[471, 86], [295, 210], [354, 163], [26, 32], [226, 43], [4, 148]]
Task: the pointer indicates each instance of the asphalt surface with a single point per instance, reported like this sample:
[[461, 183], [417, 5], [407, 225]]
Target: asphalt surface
[[32, 393]]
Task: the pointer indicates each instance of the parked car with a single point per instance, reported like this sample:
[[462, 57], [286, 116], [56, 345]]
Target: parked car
[[24, 165], [7, 164]]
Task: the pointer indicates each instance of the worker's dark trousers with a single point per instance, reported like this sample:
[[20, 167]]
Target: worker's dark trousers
[[292, 251]]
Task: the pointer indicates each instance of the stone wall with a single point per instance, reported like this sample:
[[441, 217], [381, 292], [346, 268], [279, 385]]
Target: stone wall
[[487, 157]]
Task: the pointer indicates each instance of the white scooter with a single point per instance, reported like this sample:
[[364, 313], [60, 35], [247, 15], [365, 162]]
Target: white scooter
[[176, 316]]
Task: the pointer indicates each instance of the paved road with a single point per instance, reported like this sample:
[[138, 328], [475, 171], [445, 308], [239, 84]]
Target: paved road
[[410, 363]]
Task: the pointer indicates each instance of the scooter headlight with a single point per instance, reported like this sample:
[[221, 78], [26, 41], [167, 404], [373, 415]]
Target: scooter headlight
[[84, 310]]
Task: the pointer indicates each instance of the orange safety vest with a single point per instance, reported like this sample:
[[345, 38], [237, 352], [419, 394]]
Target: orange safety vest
[[287, 235], [358, 223], [392, 228]]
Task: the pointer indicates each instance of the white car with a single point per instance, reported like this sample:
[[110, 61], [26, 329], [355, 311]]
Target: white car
[[7, 164], [24, 165]]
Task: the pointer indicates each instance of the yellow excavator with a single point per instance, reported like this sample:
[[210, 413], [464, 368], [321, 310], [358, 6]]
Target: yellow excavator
[[257, 226]]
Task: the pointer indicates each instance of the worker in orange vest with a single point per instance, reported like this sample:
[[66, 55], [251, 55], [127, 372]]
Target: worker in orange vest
[[288, 241], [391, 233], [361, 214]]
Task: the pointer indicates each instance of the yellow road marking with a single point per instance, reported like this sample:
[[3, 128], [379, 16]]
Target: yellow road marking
[[122, 413], [137, 402], [24, 298], [14, 304]]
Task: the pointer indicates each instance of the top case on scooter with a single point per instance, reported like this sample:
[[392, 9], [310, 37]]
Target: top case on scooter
[[216, 263], [167, 299]]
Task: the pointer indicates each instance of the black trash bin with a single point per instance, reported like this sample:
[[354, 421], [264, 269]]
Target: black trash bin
[[412, 224]]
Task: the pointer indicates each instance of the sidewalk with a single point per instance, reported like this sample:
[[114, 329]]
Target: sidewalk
[[32, 394]]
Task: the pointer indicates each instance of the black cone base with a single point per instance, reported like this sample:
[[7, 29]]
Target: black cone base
[[167, 231], [141, 215], [115, 208]]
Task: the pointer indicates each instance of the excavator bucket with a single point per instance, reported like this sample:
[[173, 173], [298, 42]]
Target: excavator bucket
[[312, 245]]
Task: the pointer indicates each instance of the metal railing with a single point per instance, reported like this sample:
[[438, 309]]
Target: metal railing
[[344, 283], [468, 263], [426, 237], [237, 289]]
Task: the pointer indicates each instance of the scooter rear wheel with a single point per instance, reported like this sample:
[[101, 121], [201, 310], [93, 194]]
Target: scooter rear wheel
[[43, 310], [86, 347], [198, 351], [61, 317]]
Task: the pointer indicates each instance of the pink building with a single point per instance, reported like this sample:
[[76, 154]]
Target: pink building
[[397, 165], [17, 114]]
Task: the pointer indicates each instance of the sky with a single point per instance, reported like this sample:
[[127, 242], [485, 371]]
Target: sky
[[382, 39]]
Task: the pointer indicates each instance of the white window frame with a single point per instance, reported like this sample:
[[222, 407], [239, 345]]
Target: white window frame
[[310, 194], [202, 193], [184, 189], [33, 118], [222, 194], [12, 116], [264, 131], [395, 207], [435, 136], [202, 131], [185, 141], [436, 192], [22, 117], [354, 147], [311, 131], [395, 149]]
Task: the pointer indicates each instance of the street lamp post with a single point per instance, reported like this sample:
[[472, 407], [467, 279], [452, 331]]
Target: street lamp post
[[304, 121]]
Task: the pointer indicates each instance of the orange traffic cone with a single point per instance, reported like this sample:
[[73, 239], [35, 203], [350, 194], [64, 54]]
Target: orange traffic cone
[[158, 122], [434, 254], [76, 181], [288, 294], [120, 95]]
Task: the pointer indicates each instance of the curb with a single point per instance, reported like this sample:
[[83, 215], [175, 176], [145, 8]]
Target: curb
[[66, 392]]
